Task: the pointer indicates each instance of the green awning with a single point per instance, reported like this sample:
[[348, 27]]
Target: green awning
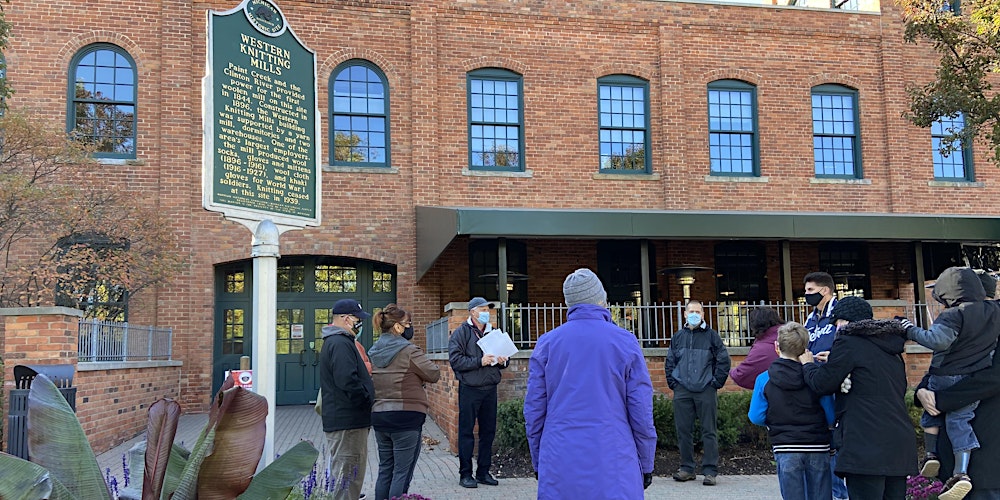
[[438, 226]]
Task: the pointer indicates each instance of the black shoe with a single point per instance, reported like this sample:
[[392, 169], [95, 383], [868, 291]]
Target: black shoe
[[468, 482], [487, 479]]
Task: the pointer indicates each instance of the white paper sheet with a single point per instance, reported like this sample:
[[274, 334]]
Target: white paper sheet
[[497, 343]]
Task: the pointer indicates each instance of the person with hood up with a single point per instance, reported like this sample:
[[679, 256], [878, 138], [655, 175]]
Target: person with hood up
[[798, 420], [764, 323], [963, 338], [399, 369], [697, 365], [348, 394], [872, 432], [588, 409]]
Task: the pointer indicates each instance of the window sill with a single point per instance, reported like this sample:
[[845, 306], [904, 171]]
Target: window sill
[[957, 184], [627, 177], [121, 161], [497, 173], [361, 170], [735, 178], [823, 180]]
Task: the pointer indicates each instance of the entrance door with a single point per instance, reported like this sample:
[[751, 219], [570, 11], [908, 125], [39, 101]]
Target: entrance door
[[307, 288]]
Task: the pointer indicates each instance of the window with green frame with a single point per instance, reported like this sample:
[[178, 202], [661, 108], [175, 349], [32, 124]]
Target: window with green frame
[[732, 128], [836, 135], [496, 119], [359, 112], [955, 164], [623, 124], [102, 100]]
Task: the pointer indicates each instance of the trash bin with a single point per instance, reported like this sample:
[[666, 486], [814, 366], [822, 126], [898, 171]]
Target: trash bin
[[17, 416]]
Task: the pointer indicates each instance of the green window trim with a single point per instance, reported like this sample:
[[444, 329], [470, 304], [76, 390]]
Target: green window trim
[[486, 127], [832, 99], [718, 134], [943, 128], [100, 86], [360, 112], [617, 127]]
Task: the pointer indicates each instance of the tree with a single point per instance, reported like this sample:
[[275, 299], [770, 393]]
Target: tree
[[70, 234], [968, 43], [346, 147]]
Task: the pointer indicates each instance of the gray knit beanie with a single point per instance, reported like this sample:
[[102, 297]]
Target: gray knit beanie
[[584, 287]]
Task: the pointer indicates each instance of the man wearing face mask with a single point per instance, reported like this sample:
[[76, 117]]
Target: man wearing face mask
[[478, 375], [697, 365], [348, 395]]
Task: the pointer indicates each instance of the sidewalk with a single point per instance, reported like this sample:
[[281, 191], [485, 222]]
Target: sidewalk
[[436, 475]]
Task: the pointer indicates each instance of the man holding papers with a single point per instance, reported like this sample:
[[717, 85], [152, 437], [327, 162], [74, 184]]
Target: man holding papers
[[478, 374], [588, 410]]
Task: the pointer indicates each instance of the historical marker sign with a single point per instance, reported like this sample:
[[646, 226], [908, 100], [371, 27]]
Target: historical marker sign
[[261, 158]]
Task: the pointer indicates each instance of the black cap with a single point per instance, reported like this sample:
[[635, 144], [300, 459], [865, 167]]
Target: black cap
[[852, 309]]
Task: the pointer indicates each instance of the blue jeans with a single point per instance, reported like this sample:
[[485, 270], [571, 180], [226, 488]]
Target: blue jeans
[[957, 422], [397, 457], [839, 486], [804, 476]]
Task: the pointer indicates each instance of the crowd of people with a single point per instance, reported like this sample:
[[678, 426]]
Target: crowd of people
[[831, 393]]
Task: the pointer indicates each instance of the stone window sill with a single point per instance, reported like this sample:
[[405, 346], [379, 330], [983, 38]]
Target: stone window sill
[[957, 184], [496, 173], [823, 180], [735, 178], [627, 177], [360, 170]]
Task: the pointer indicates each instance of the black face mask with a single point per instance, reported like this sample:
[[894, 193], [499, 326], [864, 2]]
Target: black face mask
[[407, 333], [814, 299]]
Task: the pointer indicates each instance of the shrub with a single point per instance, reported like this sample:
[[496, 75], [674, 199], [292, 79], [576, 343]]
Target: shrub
[[511, 432], [663, 420]]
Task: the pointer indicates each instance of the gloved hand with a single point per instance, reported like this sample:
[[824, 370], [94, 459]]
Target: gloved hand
[[647, 479], [845, 386], [905, 323], [536, 475]]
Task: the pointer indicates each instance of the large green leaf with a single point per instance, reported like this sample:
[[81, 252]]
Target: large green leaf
[[23, 480], [56, 441], [239, 440], [161, 428], [277, 480], [175, 468]]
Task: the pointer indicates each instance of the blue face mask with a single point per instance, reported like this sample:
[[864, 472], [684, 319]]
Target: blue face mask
[[484, 317], [694, 319]]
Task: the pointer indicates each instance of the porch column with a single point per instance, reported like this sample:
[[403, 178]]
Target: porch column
[[786, 271], [502, 270], [919, 292]]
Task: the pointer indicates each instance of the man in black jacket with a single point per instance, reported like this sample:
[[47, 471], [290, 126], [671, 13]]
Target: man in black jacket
[[348, 395], [478, 375]]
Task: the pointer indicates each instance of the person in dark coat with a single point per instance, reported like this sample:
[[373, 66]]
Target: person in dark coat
[[982, 386], [876, 445]]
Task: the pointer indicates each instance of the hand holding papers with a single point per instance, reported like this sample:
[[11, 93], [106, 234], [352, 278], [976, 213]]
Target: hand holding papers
[[497, 343]]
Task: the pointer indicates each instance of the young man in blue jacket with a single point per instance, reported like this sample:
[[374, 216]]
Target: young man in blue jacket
[[697, 366]]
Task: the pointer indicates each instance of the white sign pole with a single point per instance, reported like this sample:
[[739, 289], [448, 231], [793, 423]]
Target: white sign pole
[[265, 338]]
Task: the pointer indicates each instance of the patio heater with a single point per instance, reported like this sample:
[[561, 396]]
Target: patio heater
[[685, 276]]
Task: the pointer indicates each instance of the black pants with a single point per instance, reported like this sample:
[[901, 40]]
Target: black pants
[[476, 404], [704, 406], [865, 487]]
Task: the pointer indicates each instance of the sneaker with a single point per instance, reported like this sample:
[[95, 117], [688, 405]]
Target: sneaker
[[468, 482], [709, 480], [683, 475], [487, 479], [956, 488], [931, 466]]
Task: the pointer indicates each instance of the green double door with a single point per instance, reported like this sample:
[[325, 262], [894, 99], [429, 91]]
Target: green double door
[[307, 288]]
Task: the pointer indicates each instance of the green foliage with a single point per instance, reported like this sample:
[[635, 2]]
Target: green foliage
[[968, 43], [663, 420], [511, 432]]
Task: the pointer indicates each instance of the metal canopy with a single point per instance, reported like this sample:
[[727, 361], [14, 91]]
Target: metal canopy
[[438, 226]]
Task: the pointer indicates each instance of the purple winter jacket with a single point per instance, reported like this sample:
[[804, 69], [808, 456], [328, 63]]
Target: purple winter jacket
[[588, 409], [758, 360]]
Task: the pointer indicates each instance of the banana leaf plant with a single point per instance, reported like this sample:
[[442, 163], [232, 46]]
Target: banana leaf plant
[[220, 466]]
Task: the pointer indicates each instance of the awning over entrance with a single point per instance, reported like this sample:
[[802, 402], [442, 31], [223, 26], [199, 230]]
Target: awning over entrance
[[438, 226]]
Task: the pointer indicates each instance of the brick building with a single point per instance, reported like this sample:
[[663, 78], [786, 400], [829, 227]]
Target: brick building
[[756, 141]]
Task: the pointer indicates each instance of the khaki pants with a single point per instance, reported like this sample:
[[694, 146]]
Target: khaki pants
[[348, 458]]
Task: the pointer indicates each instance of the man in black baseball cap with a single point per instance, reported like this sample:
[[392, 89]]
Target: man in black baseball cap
[[348, 394]]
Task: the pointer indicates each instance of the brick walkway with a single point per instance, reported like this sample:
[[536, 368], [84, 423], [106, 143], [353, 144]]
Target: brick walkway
[[436, 476]]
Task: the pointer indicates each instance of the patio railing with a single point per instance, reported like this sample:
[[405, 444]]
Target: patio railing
[[652, 324], [116, 341]]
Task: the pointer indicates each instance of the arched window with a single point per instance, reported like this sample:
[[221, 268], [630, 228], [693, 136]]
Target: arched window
[[836, 135], [732, 128], [359, 109], [623, 122], [102, 100], [496, 118]]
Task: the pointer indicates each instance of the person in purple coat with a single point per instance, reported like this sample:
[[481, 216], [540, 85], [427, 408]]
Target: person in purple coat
[[764, 323], [588, 409]]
